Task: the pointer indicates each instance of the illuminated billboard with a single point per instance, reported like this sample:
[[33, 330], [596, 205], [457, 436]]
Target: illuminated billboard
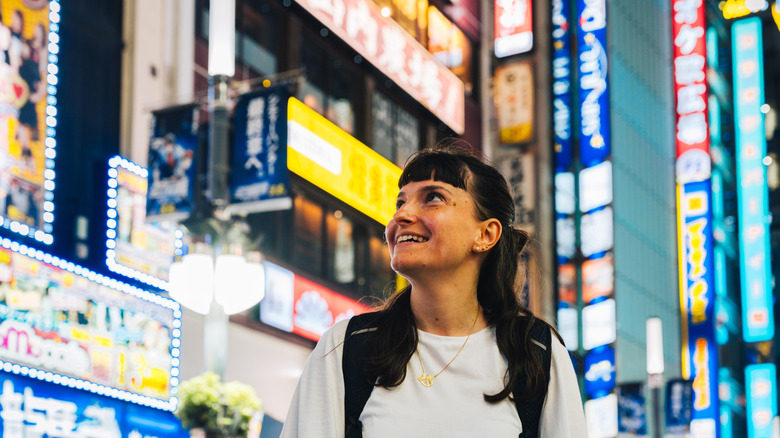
[[514, 27], [700, 348], [752, 191], [761, 394], [28, 116], [134, 248], [690, 85], [65, 324], [325, 155], [386, 45]]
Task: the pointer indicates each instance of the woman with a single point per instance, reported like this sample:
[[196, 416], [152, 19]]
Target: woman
[[458, 330]]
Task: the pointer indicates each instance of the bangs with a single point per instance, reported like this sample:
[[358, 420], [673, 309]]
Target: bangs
[[439, 166]]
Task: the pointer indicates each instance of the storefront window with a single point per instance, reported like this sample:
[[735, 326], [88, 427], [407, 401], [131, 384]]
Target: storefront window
[[330, 87], [411, 15], [341, 248], [307, 232], [396, 133]]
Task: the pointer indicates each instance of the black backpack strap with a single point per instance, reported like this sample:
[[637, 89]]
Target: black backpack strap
[[357, 386], [530, 411]]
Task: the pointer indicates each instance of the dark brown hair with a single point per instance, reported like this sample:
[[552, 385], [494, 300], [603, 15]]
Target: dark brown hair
[[395, 339]]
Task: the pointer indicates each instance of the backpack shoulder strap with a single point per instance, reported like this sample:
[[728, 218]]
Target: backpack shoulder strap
[[357, 386], [530, 411]]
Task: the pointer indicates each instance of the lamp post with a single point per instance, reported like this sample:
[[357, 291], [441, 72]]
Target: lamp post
[[655, 367]]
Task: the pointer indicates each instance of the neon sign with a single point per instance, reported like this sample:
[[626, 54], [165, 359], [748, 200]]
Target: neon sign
[[752, 191]]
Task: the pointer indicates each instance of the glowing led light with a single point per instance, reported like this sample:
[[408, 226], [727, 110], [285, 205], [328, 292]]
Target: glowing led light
[[48, 185], [48, 217], [767, 161], [48, 206], [48, 173], [111, 234], [175, 362], [111, 193], [111, 213], [176, 333]]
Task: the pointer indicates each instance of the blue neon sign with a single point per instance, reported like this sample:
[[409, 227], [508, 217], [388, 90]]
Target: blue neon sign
[[561, 69], [593, 82], [753, 196], [761, 389]]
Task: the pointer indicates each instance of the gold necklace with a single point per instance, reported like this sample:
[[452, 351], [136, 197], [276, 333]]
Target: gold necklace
[[426, 380]]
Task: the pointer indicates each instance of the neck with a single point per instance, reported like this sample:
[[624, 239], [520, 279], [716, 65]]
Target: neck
[[446, 308]]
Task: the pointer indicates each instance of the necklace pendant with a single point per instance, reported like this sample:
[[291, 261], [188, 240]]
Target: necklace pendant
[[426, 380]]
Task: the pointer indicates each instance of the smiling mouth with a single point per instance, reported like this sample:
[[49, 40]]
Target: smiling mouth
[[410, 238]]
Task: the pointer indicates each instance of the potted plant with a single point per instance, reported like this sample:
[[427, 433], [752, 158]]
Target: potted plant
[[213, 409]]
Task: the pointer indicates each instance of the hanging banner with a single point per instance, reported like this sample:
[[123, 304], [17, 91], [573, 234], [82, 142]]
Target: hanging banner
[[172, 151], [752, 190], [690, 85], [514, 32], [58, 318], [561, 71], [700, 348], [515, 99], [259, 179], [386, 45], [135, 248], [519, 169], [593, 82], [28, 75], [36, 408]]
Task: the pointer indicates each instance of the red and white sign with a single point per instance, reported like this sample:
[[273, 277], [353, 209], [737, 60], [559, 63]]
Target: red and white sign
[[690, 85], [295, 304], [395, 53], [514, 27]]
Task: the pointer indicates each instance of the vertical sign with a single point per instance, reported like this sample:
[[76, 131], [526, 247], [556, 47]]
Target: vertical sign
[[28, 115], [690, 56], [259, 177], [761, 391], [561, 70], [515, 96], [632, 418], [752, 191], [593, 69], [700, 353], [172, 151], [679, 402], [514, 27]]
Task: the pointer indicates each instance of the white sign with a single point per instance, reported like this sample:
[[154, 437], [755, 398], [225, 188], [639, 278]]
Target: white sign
[[598, 324]]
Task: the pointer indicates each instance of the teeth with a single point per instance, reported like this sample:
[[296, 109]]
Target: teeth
[[407, 238]]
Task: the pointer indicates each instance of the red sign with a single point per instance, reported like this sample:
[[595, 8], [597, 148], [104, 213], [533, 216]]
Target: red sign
[[690, 85], [317, 308], [395, 53], [514, 27]]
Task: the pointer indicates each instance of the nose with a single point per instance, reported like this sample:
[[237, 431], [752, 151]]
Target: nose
[[404, 214]]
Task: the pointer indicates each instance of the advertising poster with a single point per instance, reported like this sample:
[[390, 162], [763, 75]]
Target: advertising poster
[[632, 408], [600, 371], [24, 40], [34, 408], [259, 177], [172, 171], [53, 319], [146, 248]]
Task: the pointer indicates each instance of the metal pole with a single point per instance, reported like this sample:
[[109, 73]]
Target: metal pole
[[218, 192], [656, 412]]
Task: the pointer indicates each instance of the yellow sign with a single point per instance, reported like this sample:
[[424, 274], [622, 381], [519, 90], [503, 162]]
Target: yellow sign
[[776, 14], [328, 157], [740, 8]]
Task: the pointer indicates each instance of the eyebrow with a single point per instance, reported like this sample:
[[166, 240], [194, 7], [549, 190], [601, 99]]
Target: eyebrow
[[427, 189]]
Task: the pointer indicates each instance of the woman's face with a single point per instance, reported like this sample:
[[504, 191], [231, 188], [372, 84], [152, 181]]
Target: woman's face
[[433, 230]]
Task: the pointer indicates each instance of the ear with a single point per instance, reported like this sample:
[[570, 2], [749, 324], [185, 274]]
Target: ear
[[489, 233]]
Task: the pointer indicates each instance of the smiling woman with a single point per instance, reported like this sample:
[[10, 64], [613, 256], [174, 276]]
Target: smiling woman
[[484, 365]]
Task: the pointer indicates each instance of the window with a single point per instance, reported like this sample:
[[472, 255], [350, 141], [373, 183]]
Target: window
[[411, 15], [449, 45], [307, 234], [341, 248], [396, 133], [330, 87], [379, 266]]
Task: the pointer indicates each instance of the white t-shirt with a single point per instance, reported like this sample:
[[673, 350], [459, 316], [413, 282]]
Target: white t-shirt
[[453, 406]]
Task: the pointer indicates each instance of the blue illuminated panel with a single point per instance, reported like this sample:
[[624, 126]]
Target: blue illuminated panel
[[752, 192], [134, 248], [698, 284], [60, 302]]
